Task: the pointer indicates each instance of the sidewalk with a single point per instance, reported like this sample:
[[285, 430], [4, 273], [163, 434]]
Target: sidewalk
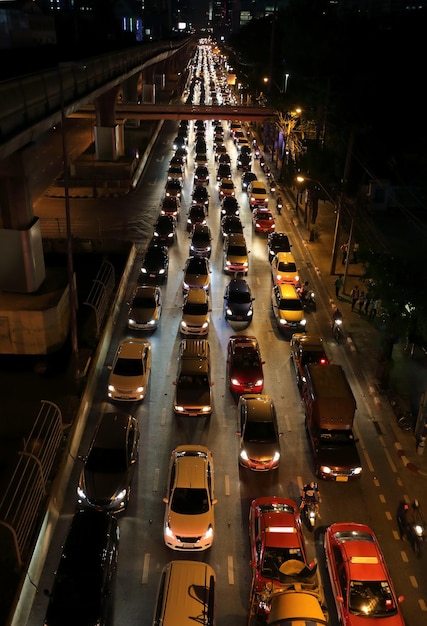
[[407, 378]]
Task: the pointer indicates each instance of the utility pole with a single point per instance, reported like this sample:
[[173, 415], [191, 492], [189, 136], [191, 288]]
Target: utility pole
[[340, 206]]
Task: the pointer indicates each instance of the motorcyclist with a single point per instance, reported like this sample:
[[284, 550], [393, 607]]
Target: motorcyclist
[[305, 290], [336, 315], [410, 519], [279, 204], [262, 161], [310, 493]]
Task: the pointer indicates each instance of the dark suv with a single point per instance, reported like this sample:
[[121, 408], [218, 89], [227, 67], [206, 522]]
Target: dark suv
[[83, 584]]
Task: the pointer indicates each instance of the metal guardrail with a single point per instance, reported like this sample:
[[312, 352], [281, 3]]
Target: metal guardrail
[[99, 296], [20, 505]]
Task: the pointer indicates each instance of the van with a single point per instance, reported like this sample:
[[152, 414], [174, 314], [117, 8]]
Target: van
[[186, 595], [193, 384]]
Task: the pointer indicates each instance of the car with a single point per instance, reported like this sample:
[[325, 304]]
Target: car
[[201, 241], [226, 188], [259, 434], [193, 396], [231, 224], [223, 171], [196, 215], [229, 206], [275, 537], [247, 178], [238, 301], [244, 365], [284, 269], [83, 587], [288, 309], [223, 157], [109, 467], [200, 124], [220, 149], [244, 162], [236, 254], [201, 158], [189, 522], [277, 242], [257, 194], [200, 145], [234, 127], [201, 175], [180, 141], [195, 313], [360, 581], [245, 148], [218, 140], [165, 230], [218, 130], [178, 161], [130, 371], [181, 152], [175, 172], [196, 274], [173, 188], [238, 134], [263, 221], [200, 196], [170, 206], [306, 349], [155, 265], [145, 308]]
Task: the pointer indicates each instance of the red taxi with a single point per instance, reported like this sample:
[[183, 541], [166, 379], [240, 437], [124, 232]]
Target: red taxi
[[360, 581], [275, 535]]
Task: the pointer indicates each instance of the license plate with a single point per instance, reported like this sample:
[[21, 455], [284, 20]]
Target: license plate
[[152, 276], [342, 479]]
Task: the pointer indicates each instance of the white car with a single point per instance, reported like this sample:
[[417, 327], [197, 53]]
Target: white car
[[195, 313], [189, 517], [130, 370], [146, 308]]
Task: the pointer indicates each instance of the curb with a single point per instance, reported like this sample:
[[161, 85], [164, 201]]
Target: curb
[[406, 462]]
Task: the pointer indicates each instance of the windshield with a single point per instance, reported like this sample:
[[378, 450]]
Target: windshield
[[239, 297], [237, 250], [128, 367], [196, 268], [274, 559], [287, 267], [371, 598], [106, 461], [290, 305], [190, 501], [195, 309], [144, 303], [260, 432]]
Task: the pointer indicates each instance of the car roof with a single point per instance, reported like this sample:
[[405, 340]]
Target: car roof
[[360, 550], [308, 342], [112, 430], [244, 342], [259, 407], [133, 348], [191, 470], [238, 284], [287, 291], [146, 290], [196, 296], [285, 257], [236, 239]]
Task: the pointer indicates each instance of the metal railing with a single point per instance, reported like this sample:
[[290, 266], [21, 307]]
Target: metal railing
[[99, 296], [27, 489]]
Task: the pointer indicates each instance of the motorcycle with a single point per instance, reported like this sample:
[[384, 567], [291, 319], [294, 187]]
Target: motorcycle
[[413, 529], [308, 299], [257, 152], [279, 205], [309, 511], [273, 186], [338, 330]]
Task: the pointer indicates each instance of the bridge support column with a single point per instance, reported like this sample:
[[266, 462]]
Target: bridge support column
[[108, 134], [22, 268]]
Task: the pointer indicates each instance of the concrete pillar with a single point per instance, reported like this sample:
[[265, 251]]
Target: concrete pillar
[[107, 131], [22, 268]]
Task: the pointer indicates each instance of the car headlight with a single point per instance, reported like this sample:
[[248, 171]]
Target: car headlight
[[131, 322], [206, 409], [357, 471], [249, 313], [205, 324], [161, 271], [81, 493], [156, 234], [179, 409], [143, 269], [139, 389], [209, 533], [152, 322], [276, 457], [325, 469], [244, 455], [183, 324], [234, 381], [229, 311], [168, 532], [259, 382], [297, 279], [121, 495], [303, 322], [111, 388], [170, 235]]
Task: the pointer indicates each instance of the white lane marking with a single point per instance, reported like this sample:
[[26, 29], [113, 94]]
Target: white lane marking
[[145, 568], [163, 417], [414, 581], [382, 498], [230, 570], [156, 480], [227, 484], [404, 556], [423, 605]]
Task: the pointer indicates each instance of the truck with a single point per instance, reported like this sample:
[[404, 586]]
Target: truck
[[330, 409]]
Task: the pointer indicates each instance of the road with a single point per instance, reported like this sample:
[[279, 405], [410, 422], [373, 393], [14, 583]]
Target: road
[[371, 500]]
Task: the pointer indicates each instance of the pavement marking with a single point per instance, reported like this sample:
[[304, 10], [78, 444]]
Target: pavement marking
[[406, 462], [163, 417], [423, 605], [396, 535], [230, 570], [145, 569], [414, 582], [288, 423], [404, 556], [376, 482], [227, 484], [156, 480], [388, 516], [390, 460], [382, 498]]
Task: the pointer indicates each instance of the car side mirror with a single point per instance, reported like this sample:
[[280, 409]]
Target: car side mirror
[[400, 599], [174, 383], [165, 500], [253, 299], [215, 501], [239, 433], [109, 367], [339, 599], [262, 362]]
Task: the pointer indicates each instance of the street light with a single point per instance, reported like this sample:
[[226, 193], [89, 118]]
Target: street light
[[310, 223]]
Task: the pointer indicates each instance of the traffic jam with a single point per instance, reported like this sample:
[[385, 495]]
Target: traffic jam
[[286, 586]]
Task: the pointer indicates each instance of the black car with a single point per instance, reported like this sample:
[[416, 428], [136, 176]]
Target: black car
[[201, 196], [244, 162], [170, 206], [200, 145], [164, 229], [223, 171], [196, 215], [173, 188], [200, 241], [201, 175], [277, 242], [179, 142], [181, 152], [238, 301], [229, 206], [223, 157], [248, 177], [246, 150], [155, 265], [231, 224], [83, 585]]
